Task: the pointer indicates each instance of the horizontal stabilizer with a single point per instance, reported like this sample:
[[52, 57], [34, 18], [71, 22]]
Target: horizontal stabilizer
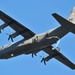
[[65, 23]]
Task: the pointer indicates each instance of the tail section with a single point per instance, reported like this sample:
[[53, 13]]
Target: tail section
[[69, 24], [71, 17]]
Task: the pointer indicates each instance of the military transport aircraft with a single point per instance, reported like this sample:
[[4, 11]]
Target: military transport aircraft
[[33, 43]]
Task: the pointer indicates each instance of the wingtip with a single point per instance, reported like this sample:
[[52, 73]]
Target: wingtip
[[74, 67], [1, 11], [54, 14]]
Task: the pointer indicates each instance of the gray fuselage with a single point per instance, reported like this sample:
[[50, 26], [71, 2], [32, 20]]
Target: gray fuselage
[[34, 44]]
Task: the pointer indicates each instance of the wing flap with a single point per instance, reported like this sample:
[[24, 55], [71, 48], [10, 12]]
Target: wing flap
[[57, 55]]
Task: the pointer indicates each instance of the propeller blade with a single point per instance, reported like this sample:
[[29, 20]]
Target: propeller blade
[[43, 60], [33, 54], [10, 37]]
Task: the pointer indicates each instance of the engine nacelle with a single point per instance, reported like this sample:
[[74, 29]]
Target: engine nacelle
[[48, 58], [14, 35], [3, 26], [11, 36]]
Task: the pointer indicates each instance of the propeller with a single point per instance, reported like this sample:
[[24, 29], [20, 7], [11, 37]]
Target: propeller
[[43, 60], [10, 36], [33, 54], [46, 59]]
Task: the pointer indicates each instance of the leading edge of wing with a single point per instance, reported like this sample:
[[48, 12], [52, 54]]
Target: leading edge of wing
[[57, 55], [19, 28]]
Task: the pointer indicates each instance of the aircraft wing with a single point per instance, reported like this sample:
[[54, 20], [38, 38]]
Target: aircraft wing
[[57, 55], [19, 28]]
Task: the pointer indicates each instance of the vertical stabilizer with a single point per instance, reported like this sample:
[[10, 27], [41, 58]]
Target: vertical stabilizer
[[71, 17]]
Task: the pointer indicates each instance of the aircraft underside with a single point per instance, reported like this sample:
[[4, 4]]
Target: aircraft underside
[[26, 49], [34, 43]]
